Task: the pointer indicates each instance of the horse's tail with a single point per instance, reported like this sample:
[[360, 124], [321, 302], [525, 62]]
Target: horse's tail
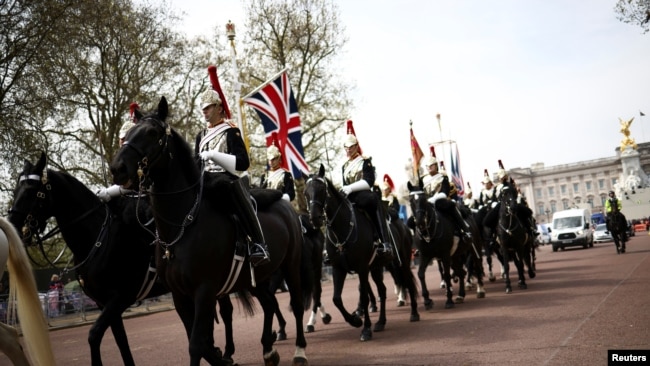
[[22, 286]]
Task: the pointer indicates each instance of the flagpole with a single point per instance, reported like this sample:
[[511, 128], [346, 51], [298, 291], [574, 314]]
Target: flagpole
[[266, 83], [641, 115], [230, 32]]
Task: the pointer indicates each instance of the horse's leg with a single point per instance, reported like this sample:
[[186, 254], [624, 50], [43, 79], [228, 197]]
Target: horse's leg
[[10, 345], [201, 343], [265, 298], [505, 263], [422, 268], [446, 266], [520, 257], [338, 280], [372, 303], [378, 277], [117, 327], [488, 259], [364, 286], [298, 309], [109, 313], [462, 274], [275, 283], [225, 310], [478, 269], [442, 274]]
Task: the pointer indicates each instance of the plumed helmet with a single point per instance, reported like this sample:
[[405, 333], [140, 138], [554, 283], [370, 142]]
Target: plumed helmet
[[210, 97], [431, 159], [351, 137], [388, 183], [273, 151], [486, 177], [502, 171]]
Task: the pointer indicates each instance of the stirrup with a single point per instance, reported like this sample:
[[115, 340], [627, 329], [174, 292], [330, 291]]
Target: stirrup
[[259, 255]]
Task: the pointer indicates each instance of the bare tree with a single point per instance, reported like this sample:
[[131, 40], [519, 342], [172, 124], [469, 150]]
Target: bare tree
[[636, 12], [305, 36]]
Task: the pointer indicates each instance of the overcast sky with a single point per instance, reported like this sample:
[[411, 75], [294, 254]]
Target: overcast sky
[[522, 81]]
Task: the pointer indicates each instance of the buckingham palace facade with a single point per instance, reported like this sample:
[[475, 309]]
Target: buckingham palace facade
[[580, 184]]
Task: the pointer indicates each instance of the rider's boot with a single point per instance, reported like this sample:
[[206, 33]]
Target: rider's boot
[[259, 254], [383, 246], [461, 224]]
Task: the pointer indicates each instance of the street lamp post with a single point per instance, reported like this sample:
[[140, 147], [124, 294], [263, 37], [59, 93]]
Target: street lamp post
[[548, 217]]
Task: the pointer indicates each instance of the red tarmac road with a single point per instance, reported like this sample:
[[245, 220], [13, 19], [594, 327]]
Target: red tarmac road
[[582, 303]]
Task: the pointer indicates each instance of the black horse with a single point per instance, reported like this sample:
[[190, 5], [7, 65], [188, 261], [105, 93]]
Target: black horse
[[515, 242], [201, 251], [112, 252], [313, 243], [348, 241], [434, 238], [618, 229]]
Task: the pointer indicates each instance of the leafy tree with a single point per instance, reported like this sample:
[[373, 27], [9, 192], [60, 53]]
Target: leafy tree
[[305, 36], [636, 12]]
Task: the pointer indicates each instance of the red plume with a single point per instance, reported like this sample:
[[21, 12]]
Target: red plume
[[214, 80], [469, 186], [485, 173], [501, 165], [274, 140], [433, 151], [350, 129], [132, 108], [389, 181]]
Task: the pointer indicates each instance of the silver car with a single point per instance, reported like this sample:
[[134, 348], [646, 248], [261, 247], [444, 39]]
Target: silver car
[[601, 234]]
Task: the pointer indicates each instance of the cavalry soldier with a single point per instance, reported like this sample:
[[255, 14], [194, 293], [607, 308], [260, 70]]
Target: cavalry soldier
[[388, 198], [469, 201], [223, 152], [358, 178], [277, 177], [487, 196], [524, 213], [436, 186]]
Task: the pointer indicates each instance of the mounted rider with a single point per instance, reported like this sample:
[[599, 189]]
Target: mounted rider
[[613, 207], [388, 197], [524, 213], [278, 177], [436, 186], [225, 158], [469, 201], [358, 178]]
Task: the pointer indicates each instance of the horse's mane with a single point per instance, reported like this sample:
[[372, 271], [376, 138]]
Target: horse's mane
[[66, 179], [185, 152]]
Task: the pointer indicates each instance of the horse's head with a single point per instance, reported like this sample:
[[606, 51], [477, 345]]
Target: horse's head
[[420, 206], [32, 200], [145, 146], [316, 196], [508, 199]]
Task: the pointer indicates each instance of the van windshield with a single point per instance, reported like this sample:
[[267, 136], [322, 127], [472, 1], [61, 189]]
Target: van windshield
[[567, 222]]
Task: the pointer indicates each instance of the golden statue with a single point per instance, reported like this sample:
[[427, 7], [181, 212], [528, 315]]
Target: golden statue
[[625, 130]]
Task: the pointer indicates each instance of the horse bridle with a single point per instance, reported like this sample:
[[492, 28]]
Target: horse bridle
[[143, 173], [330, 234], [513, 222], [32, 228], [428, 211]]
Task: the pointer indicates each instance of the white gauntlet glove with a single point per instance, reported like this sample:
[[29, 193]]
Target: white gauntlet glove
[[355, 187], [286, 197], [224, 160], [105, 194]]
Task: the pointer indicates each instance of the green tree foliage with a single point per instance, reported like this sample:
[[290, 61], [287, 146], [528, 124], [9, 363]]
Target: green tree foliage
[[635, 12], [306, 37]]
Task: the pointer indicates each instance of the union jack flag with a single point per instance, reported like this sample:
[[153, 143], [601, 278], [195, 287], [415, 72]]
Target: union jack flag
[[456, 176], [275, 104]]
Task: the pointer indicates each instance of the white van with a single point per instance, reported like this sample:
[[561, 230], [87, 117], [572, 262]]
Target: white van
[[571, 228]]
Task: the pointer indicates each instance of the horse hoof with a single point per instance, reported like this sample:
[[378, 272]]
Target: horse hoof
[[373, 308], [379, 327], [428, 304], [356, 321], [449, 305], [366, 335], [414, 318], [508, 290], [272, 358], [443, 284], [281, 336], [480, 295], [310, 329], [400, 303], [532, 274], [460, 300], [299, 361], [492, 278], [523, 286], [327, 319]]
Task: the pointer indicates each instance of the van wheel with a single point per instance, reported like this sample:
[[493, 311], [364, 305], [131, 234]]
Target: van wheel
[[554, 248]]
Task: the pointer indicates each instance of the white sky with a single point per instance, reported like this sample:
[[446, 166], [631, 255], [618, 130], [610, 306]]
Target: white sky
[[522, 81]]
